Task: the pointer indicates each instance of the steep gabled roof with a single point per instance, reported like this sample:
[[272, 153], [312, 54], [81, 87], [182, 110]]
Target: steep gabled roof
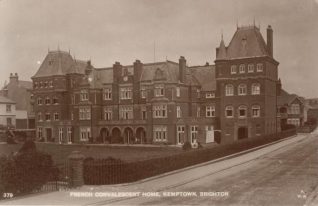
[[205, 76], [170, 70], [246, 42], [59, 63]]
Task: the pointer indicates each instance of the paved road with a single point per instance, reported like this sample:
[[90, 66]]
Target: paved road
[[285, 177], [285, 173]]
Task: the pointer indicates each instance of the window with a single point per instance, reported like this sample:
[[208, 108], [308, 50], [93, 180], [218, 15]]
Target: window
[[56, 116], [256, 111], [46, 84], [47, 117], [72, 116], [256, 89], [8, 107], [35, 85], [160, 111], [84, 95], [85, 133], [242, 68], [198, 93], [84, 113], [39, 101], [47, 100], [209, 95], [73, 99], [198, 111], [9, 121], [180, 134], [250, 68], [41, 84], [126, 112], [55, 100], [107, 93], [40, 134], [60, 135], [179, 113], [233, 69], [294, 109], [159, 90], [143, 92], [160, 133], [69, 135], [39, 116], [210, 111], [242, 111], [108, 113], [229, 111], [50, 84], [229, 90], [125, 93], [293, 121], [143, 113], [259, 67], [194, 133], [177, 91], [242, 89]]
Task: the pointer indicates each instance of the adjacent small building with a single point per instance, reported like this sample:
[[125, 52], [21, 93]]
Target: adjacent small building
[[7, 113]]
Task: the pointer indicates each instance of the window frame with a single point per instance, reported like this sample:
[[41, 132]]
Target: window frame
[[241, 88]]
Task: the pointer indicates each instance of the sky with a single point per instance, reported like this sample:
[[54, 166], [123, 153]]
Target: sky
[[106, 31]]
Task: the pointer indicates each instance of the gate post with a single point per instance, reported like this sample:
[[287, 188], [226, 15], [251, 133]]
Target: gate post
[[76, 168]]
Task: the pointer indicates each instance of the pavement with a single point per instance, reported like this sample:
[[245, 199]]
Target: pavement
[[235, 181]]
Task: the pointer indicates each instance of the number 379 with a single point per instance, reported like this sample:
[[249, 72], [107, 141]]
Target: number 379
[[7, 195]]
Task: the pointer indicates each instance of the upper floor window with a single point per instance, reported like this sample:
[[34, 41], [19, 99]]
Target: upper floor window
[[259, 67], [198, 111], [39, 116], [233, 69], [40, 101], [8, 107], [242, 89], [242, 68], [107, 93], [108, 111], [126, 112], [125, 93], [51, 84], [160, 111], [256, 88], [250, 68], [209, 95], [143, 113], [294, 109], [229, 111], [179, 113], [47, 116], [210, 111], [84, 113], [47, 100], [55, 100], [56, 116], [84, 95], [177, 91], [159, 90], [229, 90], [73, 98], [143, 92], [242, 111], [256, 111]]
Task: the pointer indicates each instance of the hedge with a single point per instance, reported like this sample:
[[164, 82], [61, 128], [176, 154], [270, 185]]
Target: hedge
[[114, 171]]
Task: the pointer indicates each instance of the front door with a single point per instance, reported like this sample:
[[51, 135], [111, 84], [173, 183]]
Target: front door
[[242, 133]]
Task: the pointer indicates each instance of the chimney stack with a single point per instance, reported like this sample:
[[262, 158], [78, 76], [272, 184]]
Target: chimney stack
[[182, 69], [270, 40], [117, 71], [14, 78]]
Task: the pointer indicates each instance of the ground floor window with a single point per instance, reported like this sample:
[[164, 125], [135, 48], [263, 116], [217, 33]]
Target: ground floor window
[[40, 133], [293, 121], [84, 133], [160, 133], [180, 134], [60, 135], [69, 134], [194, 133]]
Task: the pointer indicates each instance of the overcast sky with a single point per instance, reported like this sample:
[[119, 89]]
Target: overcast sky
[[106, 31]]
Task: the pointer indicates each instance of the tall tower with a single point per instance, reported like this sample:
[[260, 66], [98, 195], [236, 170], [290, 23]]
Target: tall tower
[[246, 76]]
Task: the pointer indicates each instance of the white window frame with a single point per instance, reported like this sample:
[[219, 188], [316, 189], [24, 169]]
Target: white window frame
[[209, 95], [40, 117], [242, 107], [159, 90], [259, 67], [198, 111], [294, 109], [69, 135], [60, 135], [250, 68], [39, 101], [193, 133], [108, 113], [179, 112], [242, 90], [143, 92], [242, 68], [107, 93], [233, 69], [85, 133], [84, 95], [160, 111], [56, 114], [84, 113], [177, 91], [47, 101], [256, 111], [40, 132], [160, 133], [126, 93], [256, 89], [210, 111], [180, 134], [49, 115], [229, 108], [229, 90], [126, 112]]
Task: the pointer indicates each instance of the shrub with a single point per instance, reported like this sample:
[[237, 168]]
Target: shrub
[[28, 145], [186, 146]]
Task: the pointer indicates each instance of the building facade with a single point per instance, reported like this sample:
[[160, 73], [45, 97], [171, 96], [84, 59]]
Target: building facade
[[163, 102], [7, 113]]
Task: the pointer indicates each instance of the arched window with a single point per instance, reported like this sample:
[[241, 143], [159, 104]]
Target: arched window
[[39, 101], [242, 68], [242, 111], [233, 69], [229, 90], [47, 100], [229, 111], [256, 111], [250, 68], [256, 89], [241, 90]]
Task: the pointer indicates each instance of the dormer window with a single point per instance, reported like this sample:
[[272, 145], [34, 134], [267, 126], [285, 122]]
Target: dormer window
[[242, 68]]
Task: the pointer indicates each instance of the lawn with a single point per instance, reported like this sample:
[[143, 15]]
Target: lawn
[[127, 153]]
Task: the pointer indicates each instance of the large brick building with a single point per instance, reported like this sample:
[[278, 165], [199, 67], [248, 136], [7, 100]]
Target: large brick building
[[162, 102]]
